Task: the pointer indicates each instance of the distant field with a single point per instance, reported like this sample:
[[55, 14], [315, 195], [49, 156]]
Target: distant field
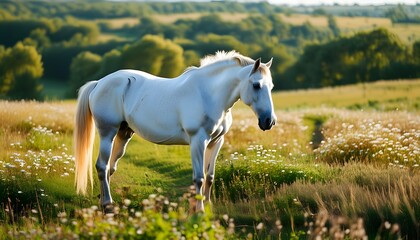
[[382, 95], [387, 95], [348, 25], [401, 95], [168, 18], [171, 18], [299, 19], [407, 32], [105, 37], [359, 23], [345, 23], [119, 22]]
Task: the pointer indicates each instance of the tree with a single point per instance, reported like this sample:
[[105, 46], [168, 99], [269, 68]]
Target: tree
[[210, 43], [75, 32], [15, 30], [416, 52], [151, 54], [256, 28], [332, 24], [83, 68], [111, 62], [209, 24], [191, 58], [319, 12], [20, 70], [363, 57], [154, 55], [397, 14], [149, 25], [281, 61], [39, 39]]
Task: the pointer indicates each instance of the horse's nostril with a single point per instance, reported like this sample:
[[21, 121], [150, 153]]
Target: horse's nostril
[[267, 122]]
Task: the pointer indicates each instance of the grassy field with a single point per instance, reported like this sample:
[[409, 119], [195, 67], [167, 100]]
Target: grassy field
[[118, 22], [408, 33], [382, 95], [333, 166], [348, 25]]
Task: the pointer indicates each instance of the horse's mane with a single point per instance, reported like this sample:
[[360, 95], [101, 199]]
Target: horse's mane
[[222, 56]]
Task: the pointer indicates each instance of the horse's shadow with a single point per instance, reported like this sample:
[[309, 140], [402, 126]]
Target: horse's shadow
[[177, 177]]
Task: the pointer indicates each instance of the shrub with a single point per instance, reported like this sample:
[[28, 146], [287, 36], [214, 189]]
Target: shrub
[[392, 140]]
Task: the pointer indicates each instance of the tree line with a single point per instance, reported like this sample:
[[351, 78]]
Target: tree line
[[68, 49], [364, 57], [109, 9]]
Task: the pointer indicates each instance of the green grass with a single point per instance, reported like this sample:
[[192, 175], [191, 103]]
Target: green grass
[[361, 166], [383, 96], [367, 166], [147, 167]]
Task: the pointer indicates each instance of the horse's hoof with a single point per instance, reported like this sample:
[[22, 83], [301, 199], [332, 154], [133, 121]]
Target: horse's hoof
[[108, 209]]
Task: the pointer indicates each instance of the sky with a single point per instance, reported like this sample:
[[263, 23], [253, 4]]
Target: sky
[[344, 2]]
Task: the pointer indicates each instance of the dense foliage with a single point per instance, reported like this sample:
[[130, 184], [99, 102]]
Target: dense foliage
[[400, 14], [95, 10], [20, 69], [152, 54], [363, 57]]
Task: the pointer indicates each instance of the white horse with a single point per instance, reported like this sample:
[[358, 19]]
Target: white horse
[[194, 109]]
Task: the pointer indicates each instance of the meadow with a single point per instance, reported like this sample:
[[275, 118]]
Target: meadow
[[341, 163], [347, 25]]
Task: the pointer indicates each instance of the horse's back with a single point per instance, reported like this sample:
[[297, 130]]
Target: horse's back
[[149, 104], [107, 99]]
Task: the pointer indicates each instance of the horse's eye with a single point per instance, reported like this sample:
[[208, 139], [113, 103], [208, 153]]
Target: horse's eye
[[256, 85]]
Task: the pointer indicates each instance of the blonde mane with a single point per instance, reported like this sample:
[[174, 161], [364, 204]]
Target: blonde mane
[[222, 55]]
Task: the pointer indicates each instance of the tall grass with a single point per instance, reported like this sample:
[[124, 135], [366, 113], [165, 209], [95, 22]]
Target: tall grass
[[365, 167], [387, 138], [319, 173]]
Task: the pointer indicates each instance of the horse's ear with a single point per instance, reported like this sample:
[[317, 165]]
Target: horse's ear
[[256, 65], [268, 64]]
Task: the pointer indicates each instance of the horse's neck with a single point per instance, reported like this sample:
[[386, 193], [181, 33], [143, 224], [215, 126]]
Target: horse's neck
[[224, 85]]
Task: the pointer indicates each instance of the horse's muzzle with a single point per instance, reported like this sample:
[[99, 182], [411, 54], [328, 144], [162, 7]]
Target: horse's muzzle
[[266, 121]]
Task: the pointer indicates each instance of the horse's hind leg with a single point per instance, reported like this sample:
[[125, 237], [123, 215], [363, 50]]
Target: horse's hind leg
[[107, 135], [125, 133], [210, 161]]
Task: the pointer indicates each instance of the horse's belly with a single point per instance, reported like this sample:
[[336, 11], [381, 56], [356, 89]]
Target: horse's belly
[[161, 135]]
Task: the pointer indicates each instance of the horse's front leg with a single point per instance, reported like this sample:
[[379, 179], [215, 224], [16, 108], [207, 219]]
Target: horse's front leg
[[198, 145], [210, 159]]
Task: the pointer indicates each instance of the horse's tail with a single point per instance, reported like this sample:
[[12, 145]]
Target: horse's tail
[[84, 135]]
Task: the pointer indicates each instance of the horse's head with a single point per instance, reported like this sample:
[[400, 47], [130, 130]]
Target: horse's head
[[256, 93]]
